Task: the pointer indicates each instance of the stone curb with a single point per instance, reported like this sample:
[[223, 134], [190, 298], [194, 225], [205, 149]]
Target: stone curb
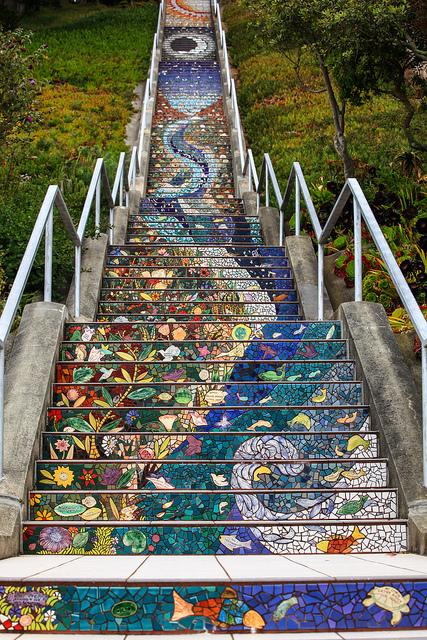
[[29, 376]]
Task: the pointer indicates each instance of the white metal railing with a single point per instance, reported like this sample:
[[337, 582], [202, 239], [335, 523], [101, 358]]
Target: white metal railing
[[149, 93], [362, 211], [42, 227], [230, 84], [99, 186]]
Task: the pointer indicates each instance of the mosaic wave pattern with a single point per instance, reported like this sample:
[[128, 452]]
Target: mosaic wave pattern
[[201, 414]]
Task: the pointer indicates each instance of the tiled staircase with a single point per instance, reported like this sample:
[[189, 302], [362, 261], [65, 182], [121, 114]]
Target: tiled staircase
[[202, 415]]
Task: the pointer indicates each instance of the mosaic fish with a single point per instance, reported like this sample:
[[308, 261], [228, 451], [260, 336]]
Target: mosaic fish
[[232, 543], [283, 608], [223, 612], [341, 544], [354, 506]]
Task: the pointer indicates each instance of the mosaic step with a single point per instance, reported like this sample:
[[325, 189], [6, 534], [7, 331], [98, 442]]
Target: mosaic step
[[246, 537], [274, 349], [208, 371], [185, 317], [194, 228], [161, 285], [217, 603], [256, 473], [206, 394], [257, 252], [210, 445], [261, 419], [368, 504], [154, 238], [248, 302], [217, 294], [99, 332], [190, 278], [257, 265]]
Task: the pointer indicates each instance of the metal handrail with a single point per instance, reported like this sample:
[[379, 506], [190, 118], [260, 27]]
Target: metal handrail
[[250, 170], [361, 211], [42, 226], [148, 95], [230, 83], [267, 173]]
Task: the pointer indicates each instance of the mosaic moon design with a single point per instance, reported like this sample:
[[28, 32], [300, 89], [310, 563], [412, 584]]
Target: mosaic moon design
[[189, 45]]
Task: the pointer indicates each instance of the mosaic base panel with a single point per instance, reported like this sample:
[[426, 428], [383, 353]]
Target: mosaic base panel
[[233, 607]]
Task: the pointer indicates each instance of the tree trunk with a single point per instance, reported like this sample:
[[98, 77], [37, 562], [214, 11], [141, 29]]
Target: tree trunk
[[401, 95], [338, 114]]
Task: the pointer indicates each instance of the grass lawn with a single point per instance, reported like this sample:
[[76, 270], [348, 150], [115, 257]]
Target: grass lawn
[[95, 57]]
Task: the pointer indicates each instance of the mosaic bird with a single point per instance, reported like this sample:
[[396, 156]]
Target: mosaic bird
[[223, 612]]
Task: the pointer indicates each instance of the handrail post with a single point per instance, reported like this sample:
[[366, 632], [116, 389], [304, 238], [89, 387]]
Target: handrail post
[[77, 270], [358, 296], [267, 186], [424, 406], [98, 205], [121, 186], [111, 226], [297, 206], [48, 255], [2, 394], [320, 281]]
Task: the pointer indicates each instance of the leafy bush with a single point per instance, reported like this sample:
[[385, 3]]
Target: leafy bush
[[93, 60]]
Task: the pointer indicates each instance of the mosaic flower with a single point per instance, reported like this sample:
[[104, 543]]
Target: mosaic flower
[[63, 476], [55, 539], [88, 477], [62, 445], [110, 476], [131, 417], [44, 514]]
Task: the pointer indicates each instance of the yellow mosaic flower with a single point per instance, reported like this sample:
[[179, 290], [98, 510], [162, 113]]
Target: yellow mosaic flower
[[43, 514], [35, 499], [63, 476]]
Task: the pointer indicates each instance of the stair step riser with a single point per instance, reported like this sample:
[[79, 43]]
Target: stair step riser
[[165, 317], [284, 474], [55, 506], [160, 539], [217, 371], [254, 420], [93, 332], [184, 294], [207, 446], [281, 281], [210, 350], [261, 308], [203, 394]]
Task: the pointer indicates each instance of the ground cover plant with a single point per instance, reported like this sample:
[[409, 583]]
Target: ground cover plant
[[285, 111], [90, 58]]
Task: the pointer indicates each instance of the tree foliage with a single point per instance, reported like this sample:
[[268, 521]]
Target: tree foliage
[[362, 48], [18, 88]]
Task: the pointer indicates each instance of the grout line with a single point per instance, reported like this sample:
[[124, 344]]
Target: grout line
[[62, 564], [223, 568], [137, 569], [393, 566]]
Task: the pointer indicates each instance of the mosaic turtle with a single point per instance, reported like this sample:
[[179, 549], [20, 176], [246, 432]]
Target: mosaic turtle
[[389, 599]]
